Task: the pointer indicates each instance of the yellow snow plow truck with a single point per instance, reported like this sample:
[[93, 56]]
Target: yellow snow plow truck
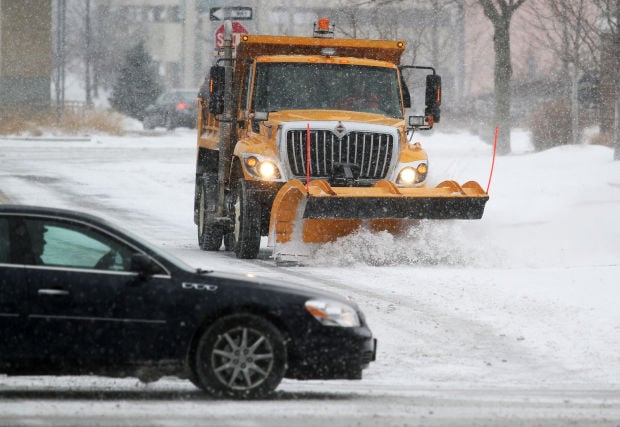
[[305, 139]]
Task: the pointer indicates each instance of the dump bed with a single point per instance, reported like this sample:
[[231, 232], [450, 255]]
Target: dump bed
[[251, 46]]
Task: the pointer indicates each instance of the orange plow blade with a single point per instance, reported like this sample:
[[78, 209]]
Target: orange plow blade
[[323, 213]]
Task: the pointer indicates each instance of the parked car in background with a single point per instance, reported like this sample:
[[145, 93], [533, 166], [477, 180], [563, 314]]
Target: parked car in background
[[172, 109], [79, 296]]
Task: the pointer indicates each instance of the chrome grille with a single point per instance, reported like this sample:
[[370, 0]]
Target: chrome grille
[[371, 152]]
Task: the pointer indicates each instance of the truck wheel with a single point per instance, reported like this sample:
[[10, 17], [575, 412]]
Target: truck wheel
[[229, 241], [246, 213], [240, 356], [209, 236]]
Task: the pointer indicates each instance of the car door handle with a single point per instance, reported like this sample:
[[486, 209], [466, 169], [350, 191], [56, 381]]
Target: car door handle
[[53, 292]]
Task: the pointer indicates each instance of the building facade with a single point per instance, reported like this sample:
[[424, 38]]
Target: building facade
[[182, 35], [25, 52]]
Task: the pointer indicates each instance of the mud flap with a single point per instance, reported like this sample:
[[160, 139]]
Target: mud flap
[[323, 213]]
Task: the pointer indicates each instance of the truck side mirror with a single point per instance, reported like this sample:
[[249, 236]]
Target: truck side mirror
[[433, 96], [216, 89]]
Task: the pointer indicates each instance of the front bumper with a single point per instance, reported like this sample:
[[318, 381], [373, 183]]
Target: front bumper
[[333, 357]]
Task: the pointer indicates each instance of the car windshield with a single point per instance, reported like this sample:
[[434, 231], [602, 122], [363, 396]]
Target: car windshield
[[185, 96], [304, 86]]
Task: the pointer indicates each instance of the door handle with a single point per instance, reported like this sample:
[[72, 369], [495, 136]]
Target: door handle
[[53, 292]]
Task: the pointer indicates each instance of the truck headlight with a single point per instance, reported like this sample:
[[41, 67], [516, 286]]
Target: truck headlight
[[261, 168], [267, 169], [412, 174], [333, 313], [407, 176]]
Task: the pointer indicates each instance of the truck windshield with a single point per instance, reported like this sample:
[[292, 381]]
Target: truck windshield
[[312, 86]]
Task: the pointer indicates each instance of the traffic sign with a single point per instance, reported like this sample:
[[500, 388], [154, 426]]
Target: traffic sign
[[238, 13], [237, 28]]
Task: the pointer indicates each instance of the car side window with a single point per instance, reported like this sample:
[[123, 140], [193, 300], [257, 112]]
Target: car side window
[[4, 241], [67, 244]]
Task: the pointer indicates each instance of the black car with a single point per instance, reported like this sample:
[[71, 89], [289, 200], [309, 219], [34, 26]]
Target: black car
[[172, 109], [80, 296]]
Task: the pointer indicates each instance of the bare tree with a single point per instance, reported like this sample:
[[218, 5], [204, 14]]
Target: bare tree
[[569, 32], [500, 13], [610, 26]]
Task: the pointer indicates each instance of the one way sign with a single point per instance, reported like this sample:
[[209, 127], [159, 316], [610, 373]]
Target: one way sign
[[238, 13]]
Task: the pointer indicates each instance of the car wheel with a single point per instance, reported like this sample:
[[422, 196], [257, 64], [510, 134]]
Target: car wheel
[[209, 235], [241, 356], [147, 123], [169, 123], [246, 212]]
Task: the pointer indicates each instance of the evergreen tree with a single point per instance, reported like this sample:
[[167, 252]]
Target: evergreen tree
[[137, 84]]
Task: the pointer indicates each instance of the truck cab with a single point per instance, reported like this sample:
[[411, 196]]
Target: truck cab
[[302, 110]]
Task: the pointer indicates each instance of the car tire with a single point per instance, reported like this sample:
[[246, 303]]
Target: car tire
[[209, 235], [246, 219], [147, 123], [241, 356], [169, 123]]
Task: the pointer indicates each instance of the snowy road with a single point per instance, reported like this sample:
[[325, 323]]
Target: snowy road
[[511, 320]]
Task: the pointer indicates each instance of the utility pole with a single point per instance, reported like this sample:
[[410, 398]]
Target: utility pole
[[59, 81], [460, 66], [87, 56], [616, 47]]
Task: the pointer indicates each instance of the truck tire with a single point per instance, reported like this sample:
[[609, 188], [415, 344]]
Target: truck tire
[[209, 235], [246, 212], [229, 242]]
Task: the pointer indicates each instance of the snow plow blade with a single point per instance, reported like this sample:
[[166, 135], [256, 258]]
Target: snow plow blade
[[323, 213]]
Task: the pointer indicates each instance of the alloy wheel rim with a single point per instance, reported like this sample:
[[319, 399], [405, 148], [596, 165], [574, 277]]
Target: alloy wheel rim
[[242, 358]]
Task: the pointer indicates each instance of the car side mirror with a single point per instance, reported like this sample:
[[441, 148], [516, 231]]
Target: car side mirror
[[144, 265], [216, 89], [433, 97]]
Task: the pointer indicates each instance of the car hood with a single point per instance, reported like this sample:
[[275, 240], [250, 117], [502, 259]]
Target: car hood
[[251, 281]]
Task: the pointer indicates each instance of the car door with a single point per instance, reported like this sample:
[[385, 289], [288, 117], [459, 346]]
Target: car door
[[85, 305], [13, 287]]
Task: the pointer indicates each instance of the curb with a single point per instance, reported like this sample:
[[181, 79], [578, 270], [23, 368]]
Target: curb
[[46, 138]]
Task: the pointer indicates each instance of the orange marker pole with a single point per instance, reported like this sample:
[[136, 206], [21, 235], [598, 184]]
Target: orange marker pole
[[308, 159], [494, 154]]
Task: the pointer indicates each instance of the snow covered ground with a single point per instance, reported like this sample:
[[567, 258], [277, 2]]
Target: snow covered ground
[[525, 299]]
